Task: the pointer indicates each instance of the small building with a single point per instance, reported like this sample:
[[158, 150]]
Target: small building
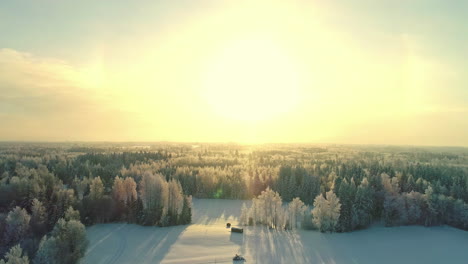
[[237, 230]]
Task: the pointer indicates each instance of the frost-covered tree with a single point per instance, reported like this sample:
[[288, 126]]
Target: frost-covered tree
[[244, 217], [80, 186], [267, 210], [67, 244], [320, 217], [15, 256], [296, 210], [269, 203], [175, 201], [154, 194], [118, 190], [130, 189], [346, 193], [47, 252], [124, 189], [362, 206], [71, 214], [186, 215], [326, 212], [394, 210], [61, 200], [416, 206], [16, 226], [96, 189], [334, 209], [432, 212], [38, 218]]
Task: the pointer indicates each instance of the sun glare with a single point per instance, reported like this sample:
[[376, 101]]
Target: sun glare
[[251, 80]]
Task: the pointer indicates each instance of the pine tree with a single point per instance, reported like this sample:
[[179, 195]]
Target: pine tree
[[346, 194], [362, 206], [67, 244], [15, 256], [71, 214], [186, 215], [38, 218], [17, 226]]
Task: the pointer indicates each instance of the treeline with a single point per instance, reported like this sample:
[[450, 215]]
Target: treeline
[[154, 187], [41, 217], [348, 207]]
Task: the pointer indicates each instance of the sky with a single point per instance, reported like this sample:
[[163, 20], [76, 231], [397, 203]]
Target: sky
[[358, 72]]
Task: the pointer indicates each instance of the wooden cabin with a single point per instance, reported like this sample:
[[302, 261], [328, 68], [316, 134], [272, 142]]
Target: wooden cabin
[[237, 230]]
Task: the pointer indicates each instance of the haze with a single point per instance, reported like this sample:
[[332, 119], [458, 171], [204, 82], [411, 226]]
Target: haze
[[389, 72]]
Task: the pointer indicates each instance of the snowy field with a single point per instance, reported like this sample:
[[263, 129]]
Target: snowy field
[[208, 241]]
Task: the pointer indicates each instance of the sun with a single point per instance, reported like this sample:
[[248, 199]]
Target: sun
[[251, 80]]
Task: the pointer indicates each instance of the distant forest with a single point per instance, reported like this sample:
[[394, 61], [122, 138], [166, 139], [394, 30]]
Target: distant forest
[[49, 192]]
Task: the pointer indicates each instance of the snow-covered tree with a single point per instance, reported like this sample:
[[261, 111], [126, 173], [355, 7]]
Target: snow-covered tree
[[270, 206], [334, 209], [130, 189], [394, 210], [266, 209], [71, 214], [96, 189], [346, 193], [17, 226], [118, 190], [326, 212], [80, 186], [244, 217], [362, 206], [175, 201], [47, 252], [15, 256], [154, 194], [186, 215], [67, 244], [320, 215], [296, 210], [38, 218]]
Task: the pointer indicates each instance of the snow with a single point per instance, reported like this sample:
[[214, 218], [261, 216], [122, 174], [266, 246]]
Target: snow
[[208, 240]]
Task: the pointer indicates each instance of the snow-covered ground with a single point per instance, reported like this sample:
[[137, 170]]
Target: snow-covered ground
[[208, 241]]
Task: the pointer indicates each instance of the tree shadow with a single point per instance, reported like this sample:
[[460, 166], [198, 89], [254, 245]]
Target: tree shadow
[[236, 238], [272, 246], [129, 243]]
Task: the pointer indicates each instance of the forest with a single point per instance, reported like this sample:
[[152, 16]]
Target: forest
[[49, 192]]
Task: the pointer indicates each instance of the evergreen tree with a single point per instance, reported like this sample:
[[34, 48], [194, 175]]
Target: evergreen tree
[[346, 194], [362, 206], [186, 215], [16, 226], [15, 256], [67, 244], [38, 218]]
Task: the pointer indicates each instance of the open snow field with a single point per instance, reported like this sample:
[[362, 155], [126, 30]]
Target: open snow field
[[208, 241]]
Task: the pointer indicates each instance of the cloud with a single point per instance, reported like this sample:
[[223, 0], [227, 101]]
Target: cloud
[[48, 99]]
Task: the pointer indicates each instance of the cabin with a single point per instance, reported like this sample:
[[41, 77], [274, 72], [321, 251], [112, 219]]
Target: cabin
[[237, 230]]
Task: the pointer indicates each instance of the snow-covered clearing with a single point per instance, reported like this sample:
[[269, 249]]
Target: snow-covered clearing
[[208, 241]]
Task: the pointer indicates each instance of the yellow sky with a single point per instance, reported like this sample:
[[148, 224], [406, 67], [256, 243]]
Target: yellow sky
[[241, 71]]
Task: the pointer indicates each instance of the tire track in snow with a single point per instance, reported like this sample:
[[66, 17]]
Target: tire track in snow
[[103, 239], [120, 249]]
